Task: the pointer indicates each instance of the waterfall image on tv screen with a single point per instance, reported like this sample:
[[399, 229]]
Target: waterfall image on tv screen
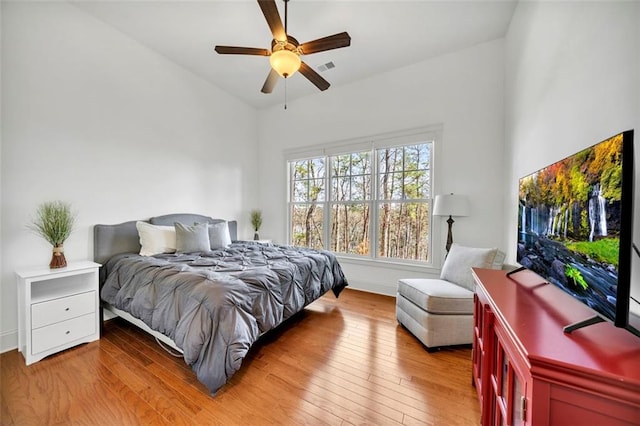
[[569, 224]]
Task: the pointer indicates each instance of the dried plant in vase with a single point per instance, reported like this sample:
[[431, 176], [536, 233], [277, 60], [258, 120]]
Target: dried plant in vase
[[256, 222], [54, 222]]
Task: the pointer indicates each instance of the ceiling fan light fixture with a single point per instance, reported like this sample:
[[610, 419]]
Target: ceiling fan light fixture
[[285, 52], [285, 62]]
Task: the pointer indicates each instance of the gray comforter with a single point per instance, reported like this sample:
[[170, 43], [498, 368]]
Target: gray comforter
[[215, 305]]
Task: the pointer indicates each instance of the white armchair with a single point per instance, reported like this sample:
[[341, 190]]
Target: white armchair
[[439, 312]]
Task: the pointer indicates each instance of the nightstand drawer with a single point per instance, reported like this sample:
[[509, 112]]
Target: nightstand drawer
[[53, 311], [62, 332]]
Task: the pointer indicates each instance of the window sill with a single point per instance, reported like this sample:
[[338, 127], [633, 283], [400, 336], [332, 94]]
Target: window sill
[[389, 264]]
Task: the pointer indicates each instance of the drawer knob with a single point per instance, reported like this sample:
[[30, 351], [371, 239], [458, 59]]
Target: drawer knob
[[66, 309], [67, 332]]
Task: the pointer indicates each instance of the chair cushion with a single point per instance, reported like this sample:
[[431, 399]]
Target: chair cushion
[[457, 266], [434, 330], [437, 296]]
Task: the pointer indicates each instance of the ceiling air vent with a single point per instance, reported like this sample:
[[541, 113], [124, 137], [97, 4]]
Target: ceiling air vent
[[327, 66]]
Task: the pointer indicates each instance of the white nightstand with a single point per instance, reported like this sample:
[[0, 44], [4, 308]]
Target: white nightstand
[[57, 309]]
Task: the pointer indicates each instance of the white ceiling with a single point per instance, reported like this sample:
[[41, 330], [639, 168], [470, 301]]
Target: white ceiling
[[385, 35]]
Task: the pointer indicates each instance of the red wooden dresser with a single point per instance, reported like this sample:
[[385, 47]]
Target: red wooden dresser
[[527, 371]]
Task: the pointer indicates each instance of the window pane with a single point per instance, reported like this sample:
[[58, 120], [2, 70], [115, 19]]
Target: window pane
[[390, 186], [341, 187], [298, 170], [350, 228], [389, 163], [316, 168], [404, 172], [306, 225], [403, 230], [360, 188], [417, 171], [415, 184], [340, 164], [360, 163], [351, 176], [316, 190], [307, 180], [416, 157], [300, 190], [389, 159]]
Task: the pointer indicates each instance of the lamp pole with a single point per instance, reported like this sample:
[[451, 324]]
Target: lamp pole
[[450, 234]]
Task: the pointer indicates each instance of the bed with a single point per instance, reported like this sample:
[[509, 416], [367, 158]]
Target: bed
[[213, 304]]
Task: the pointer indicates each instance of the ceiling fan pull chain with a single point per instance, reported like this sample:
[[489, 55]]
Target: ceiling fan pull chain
[[285, 91]]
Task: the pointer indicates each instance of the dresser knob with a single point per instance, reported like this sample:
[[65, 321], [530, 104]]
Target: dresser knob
[[66, 309], [67, 332]]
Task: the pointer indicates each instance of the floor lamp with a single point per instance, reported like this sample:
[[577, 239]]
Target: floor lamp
[[450, 205]]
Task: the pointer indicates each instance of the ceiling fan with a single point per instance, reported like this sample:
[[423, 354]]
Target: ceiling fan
[[285, 52]]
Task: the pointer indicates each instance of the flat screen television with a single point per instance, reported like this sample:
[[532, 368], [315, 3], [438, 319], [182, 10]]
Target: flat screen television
[[575, 221]]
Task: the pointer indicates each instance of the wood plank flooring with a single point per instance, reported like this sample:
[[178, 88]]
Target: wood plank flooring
[[339, 362]]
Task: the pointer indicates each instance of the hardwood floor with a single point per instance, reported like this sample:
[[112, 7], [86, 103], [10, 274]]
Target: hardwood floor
[[341, 361]]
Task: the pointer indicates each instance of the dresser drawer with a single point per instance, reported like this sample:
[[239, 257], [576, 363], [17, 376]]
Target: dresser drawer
[[62, 309], [62, 332]]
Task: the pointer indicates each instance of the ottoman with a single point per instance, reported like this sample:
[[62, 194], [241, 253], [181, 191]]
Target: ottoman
[[436, 311]]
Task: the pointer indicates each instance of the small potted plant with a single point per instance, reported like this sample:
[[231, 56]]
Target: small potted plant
[[54, 222], [256, 222]]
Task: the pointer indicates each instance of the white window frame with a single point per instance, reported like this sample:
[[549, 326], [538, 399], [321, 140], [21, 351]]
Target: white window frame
[[432, 134]]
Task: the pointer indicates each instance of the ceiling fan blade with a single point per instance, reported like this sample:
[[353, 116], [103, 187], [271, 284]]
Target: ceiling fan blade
[[270, 82], [335, 41], [270, 12], [314, 77], [234, 50]]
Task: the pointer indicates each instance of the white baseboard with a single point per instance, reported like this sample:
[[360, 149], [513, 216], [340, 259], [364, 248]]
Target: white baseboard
[[8, 341], [378, 288]]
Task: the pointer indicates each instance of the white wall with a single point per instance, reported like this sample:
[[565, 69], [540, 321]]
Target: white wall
[[463, 92], [1, 173], [94, 118], [572, 80]]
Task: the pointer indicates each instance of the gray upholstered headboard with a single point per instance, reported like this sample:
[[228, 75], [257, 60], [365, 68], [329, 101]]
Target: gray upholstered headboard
[[109, 240]]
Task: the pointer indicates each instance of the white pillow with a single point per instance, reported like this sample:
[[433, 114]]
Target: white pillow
[[457, 266], [156, 239], [219, 235]]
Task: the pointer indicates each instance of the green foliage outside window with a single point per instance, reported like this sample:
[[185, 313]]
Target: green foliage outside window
[[390, 187]]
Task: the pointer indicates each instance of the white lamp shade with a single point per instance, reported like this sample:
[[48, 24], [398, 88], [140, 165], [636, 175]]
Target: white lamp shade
[[285, 62], [451, 205]]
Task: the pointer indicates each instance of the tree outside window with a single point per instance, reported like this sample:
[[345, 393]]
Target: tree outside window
[[307, 208], [350, 203], [403, 207], [373, 203]]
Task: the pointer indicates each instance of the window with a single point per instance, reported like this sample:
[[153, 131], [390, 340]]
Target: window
[[350, 203], [373, 202], [307, 211], [403, 201]]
